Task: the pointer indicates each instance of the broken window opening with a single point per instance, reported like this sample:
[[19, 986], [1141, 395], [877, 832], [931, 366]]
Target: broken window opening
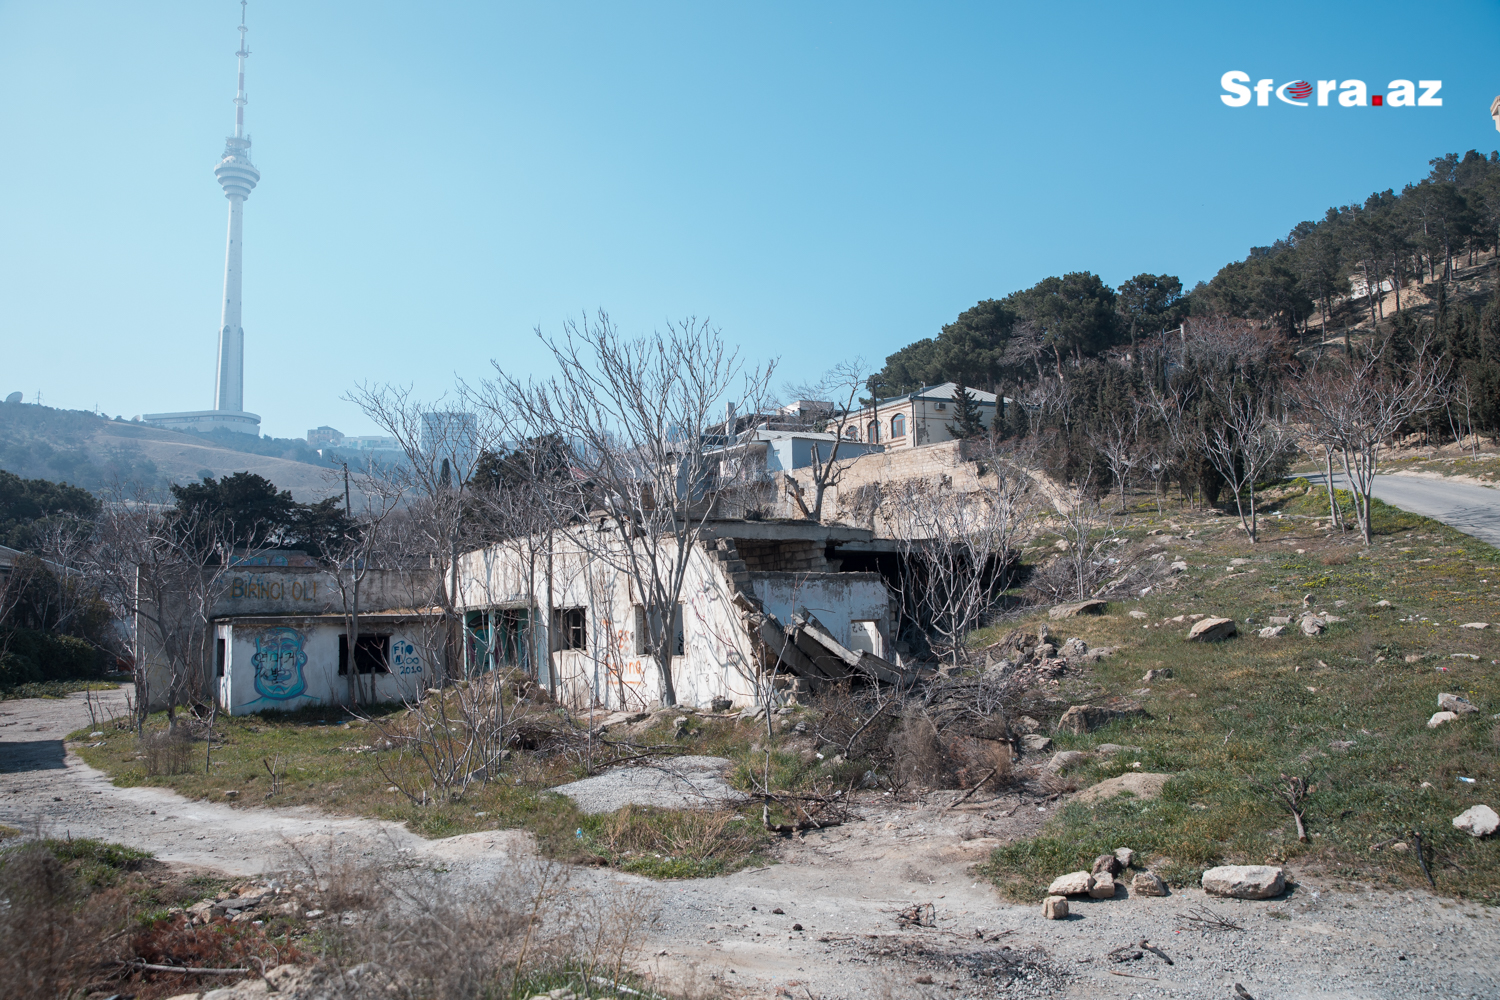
[[372, 654], [570, 629]]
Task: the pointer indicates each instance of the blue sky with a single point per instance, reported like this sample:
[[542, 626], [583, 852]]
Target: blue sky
[[822, 180]]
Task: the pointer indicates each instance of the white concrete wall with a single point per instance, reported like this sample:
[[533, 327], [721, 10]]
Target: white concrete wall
[[717, 658], [289, 664], [835, 599]]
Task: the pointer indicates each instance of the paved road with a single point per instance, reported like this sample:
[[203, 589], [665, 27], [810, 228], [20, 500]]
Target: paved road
[[1474, 510]]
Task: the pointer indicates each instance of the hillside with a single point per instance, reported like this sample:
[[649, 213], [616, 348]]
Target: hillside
[[79, 447]]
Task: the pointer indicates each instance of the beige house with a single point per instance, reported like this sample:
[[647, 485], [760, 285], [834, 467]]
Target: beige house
[[917, 418]]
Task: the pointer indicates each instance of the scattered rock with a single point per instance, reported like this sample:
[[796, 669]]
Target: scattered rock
[[231, 794], [1098, 653], [1141, 784], [1148, 884], [1027, 724], [1156, 675], [1477, 821], [1081, 608], [1110, 749], [1137, 613], [1456, 703], [1055, 908], [1271, 631], [1413, 658], [1073, 648], [1125, 856], [1080, 719], [1071, 884], [1178, 567], [1060, 762], [1311, 625], [1279, 620], [1212, 630], [1438, 718], [1107, 864], [1475, 625], [1036, 742], [1244, 881], [1104, 884]]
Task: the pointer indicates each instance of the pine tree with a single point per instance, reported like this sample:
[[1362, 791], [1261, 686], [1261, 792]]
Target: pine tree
[[969, 422]]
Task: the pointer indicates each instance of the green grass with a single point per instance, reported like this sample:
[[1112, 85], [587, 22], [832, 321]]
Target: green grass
[[330, 761], [1236, 715], [54, 689]]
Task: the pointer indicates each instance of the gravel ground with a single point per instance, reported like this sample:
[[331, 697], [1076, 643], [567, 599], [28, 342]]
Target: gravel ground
[[847, 888], [677, 783]]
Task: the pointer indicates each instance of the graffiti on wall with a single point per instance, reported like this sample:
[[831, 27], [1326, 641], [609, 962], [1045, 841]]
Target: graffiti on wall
[[278, 661], [404, 658], [256, 587]]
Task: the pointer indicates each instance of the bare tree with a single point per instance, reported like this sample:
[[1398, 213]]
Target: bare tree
[[1362, 405], [841, 386], [960, 547], [1224, 403], [1118, 439], [636, 413], [517, 496], [1246, 440], [349, 556], [441, 448], [164, 570]]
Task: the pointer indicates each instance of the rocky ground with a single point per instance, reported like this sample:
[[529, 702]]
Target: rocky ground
[[885, 905]]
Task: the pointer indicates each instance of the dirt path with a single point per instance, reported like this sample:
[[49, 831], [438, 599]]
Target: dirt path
[[47, 791], [845, 887]]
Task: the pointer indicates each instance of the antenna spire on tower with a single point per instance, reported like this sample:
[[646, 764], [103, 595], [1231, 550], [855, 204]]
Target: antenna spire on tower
[[239, 97]]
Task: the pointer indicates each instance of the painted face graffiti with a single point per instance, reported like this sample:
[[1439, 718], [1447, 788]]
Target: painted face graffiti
[[278, 663]]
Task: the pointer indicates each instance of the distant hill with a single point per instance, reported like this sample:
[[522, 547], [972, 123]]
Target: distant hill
[[78, 447]]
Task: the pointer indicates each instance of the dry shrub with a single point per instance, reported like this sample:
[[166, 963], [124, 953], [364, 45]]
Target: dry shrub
[[954, 736], [169, 751], [694, 833], [431, 940], [343, 882], [176, 941], [48, 939], [1335, 559]]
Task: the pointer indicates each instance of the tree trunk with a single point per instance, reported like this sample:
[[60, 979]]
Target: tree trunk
[[1333, 505]]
